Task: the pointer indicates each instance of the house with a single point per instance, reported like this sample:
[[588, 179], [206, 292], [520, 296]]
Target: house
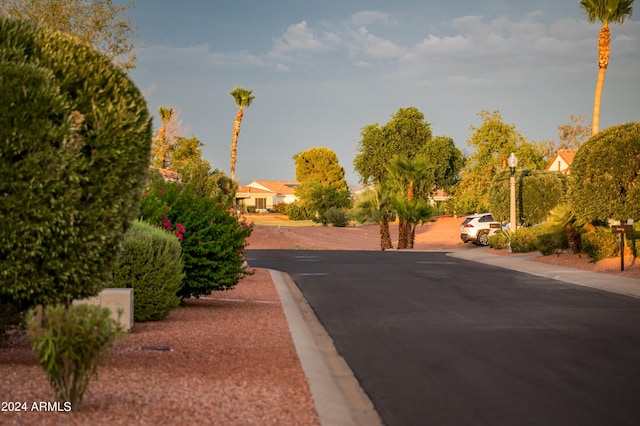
[[561, 162], [169, 175], [265, 194]]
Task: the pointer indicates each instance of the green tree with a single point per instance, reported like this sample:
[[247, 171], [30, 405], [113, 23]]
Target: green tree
[[243, 99], [374, 151], [317, 197], [186, 152], [572, 134], [446, 161], [320, 176], [98, 23], [195, 171], [319, 165], [604, 182], [493, 142], [75, 156], [404, 135], [607, 12]]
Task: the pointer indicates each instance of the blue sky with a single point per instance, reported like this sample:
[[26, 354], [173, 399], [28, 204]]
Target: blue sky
[[322, 70]]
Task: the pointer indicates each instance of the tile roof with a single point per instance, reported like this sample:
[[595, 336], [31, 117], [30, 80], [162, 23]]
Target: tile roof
[[282, 187], [253, 190], [169, 174], [566, 155]]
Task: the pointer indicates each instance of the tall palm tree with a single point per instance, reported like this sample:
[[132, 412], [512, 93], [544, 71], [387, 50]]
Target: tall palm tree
[[161, 142], [243, 98], [605, 11]]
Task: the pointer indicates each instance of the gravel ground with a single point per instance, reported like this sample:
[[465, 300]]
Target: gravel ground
[[233, 363]]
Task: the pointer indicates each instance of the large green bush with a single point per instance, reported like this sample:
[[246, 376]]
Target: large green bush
[[213, 244], [601, 244], [150, 263], [604, 182], [295, 211], [500, 240], [525, 239], [551, 241], [633, 240], [75, 138], [337, 217], [70, 343]]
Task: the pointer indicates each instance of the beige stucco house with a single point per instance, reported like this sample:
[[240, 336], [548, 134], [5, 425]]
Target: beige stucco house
[[265, 194]]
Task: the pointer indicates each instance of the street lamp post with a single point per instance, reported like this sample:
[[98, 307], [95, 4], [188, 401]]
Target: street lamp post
[[512, 162]]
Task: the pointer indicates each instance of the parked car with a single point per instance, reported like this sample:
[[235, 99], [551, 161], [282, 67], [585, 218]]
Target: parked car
[[478, 228]]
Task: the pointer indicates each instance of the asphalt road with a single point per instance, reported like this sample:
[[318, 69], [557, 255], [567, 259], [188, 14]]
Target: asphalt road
[[436, 340]]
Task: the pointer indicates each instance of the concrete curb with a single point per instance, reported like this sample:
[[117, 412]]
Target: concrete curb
[[337, 395]]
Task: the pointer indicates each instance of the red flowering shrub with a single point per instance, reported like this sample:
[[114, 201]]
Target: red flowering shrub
[[212, 239]]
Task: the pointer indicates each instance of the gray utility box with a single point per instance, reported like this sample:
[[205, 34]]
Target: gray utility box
[[114, 299]]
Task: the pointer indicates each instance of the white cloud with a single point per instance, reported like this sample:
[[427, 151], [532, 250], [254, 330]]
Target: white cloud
[[367, 44], [503, 51], [297, 38]]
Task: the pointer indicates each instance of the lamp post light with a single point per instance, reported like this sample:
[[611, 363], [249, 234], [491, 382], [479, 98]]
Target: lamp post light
[[512, 162]]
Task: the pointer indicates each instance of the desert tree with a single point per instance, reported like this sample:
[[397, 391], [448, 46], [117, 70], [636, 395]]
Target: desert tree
[[98, 23]]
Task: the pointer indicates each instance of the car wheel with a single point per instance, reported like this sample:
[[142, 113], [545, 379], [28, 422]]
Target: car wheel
[[483, 238]]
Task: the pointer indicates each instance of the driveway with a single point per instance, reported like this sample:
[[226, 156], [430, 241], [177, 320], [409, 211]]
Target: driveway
[[437, 340]]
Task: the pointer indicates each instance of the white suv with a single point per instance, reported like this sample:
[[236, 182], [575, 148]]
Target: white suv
[[478, 227]]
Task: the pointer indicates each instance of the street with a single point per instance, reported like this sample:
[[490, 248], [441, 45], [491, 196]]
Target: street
[[442, 341]]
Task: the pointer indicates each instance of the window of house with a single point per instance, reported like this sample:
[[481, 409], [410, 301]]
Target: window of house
[[261, 203]]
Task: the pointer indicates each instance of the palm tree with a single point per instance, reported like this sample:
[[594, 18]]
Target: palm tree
[[161, 142], [405, 175], [605, 11], [415, 212], [243, 98], [374, 205]]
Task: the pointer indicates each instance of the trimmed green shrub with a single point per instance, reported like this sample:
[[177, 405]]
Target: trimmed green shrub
[[151, 264], [337, 217], [213, 244], [251, 209], [500, 240], [550, 242], [295, 211], [280, 208], [601, 244], [75, 138], [524, 240], [537, 192], [70, 342], [604, 182]]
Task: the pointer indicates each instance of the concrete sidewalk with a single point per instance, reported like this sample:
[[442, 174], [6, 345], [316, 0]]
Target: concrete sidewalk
[[339, 399], [519, 262]]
